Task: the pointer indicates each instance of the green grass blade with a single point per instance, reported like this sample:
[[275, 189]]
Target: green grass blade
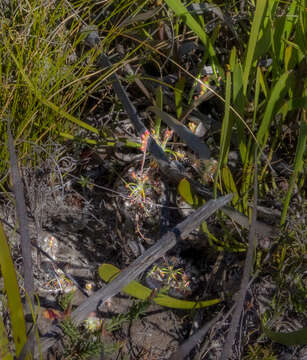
[[47, 102], [280, 87], [159, 102], [179, 88], [263, 83], [13, 296], [230, 185], [248, 164], [225, 132], [293, 104], [184, 189], [256, 25], [4, 343], [298, 165], [227, 123], [239, 101], [181, 11], [301, 33], [281, 31], [298, 337], [289, 24]]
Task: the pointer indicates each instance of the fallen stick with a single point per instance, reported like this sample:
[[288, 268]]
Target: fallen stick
[[168, 241]]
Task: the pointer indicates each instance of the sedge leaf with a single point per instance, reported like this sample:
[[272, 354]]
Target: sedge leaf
[[298, 337], [12, 291], [108, 272]]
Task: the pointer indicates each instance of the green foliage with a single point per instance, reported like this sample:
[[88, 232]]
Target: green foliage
[[259, 352], [82, 344], [298, 337], [178, 94], [4, 343], [65, 300], [273, 88], [137, 310], [85, 182], [182, 12], [289, 299], [47, 75], [184, 189], [42, 80], [255, 36], [14, 301], [298, 164], [225, 133], [107, 272]]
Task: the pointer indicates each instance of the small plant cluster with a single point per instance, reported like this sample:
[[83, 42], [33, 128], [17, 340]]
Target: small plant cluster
[[137, 188], [82, 343], [166, 137], [141, 179], [258, 352], [86, 341], [171, 277], [136, 311]]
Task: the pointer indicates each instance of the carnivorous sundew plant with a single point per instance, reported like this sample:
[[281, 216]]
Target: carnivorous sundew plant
[[161, 145]]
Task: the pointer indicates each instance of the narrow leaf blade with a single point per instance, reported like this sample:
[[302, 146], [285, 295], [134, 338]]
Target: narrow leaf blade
[[12, 291], [107, 272], [298, 337], [258, 18]]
